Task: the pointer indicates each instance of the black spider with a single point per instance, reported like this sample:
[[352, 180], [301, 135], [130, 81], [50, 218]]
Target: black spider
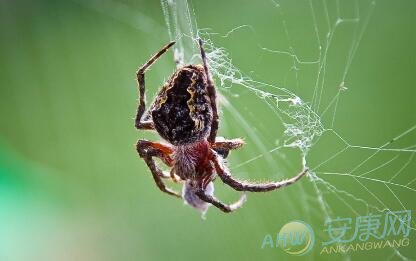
[[184, 113]]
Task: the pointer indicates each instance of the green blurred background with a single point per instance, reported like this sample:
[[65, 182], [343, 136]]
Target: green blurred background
[[71, 184]]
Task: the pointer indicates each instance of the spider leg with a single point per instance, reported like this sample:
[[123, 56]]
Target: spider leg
[[212, 95], [222, 206], [141, 122], [155, 149], [163, 152], [238, 185], [147, 150], [175, 178], [223, 146]]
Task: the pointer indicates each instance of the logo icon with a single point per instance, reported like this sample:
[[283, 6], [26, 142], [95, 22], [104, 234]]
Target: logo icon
[[296, 238]]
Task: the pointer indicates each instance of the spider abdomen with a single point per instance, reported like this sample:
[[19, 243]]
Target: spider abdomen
[[182, 112]]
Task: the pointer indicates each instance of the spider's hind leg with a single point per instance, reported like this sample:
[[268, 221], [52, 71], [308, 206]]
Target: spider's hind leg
[[212, 95], [144, 123]]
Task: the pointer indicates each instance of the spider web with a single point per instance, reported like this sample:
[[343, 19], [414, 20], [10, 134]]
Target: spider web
[[306, 103]]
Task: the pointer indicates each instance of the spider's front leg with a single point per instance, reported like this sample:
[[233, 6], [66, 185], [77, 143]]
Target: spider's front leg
[[144, 123], [147, 150], [238, 185], [222, 147], [222, 206]]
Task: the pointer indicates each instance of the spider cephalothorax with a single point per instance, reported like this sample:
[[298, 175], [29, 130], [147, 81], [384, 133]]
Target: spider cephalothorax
[[184, 113]]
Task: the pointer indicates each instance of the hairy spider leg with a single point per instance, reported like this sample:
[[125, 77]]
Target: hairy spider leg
[[212, 95], [146, 123], [222, 206], [147, 150], [223, 146], [238, 185]]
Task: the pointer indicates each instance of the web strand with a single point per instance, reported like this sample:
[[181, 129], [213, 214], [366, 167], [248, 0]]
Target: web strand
[[307, 120]]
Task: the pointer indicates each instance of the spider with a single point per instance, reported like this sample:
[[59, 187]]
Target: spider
[[184, 113]]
